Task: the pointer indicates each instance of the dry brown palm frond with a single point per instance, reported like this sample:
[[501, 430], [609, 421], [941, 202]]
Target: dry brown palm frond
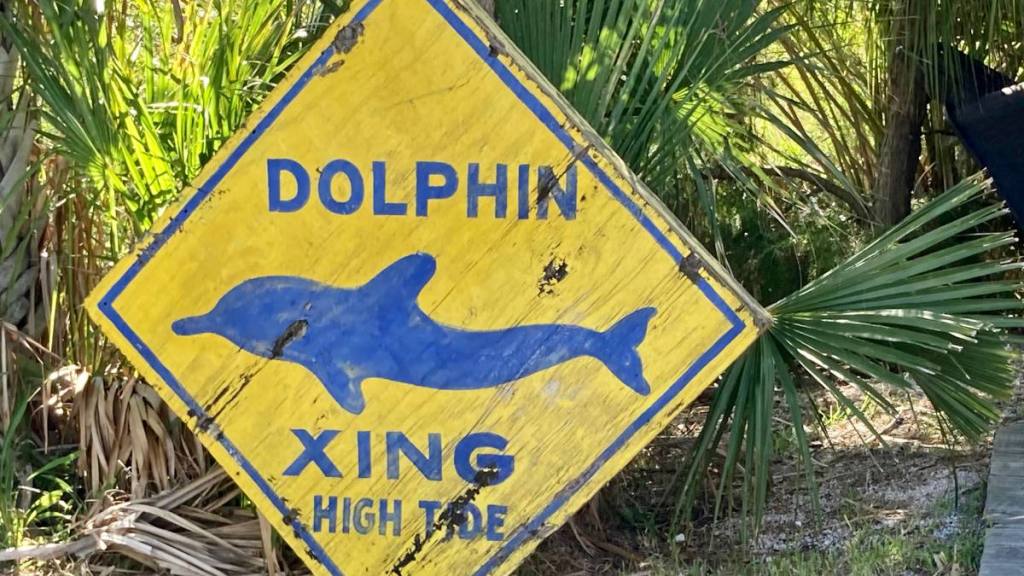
[[186, 530], [127, 436], [19, 351], [269, 547]]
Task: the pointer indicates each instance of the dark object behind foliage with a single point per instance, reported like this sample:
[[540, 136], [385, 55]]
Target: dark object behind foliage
[[962, 80], [987, 110]]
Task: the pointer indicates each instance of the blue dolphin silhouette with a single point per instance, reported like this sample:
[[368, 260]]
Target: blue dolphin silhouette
[[346, 335]]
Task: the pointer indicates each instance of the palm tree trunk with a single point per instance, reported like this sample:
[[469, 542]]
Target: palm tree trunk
[[900, 152], [18, 275]]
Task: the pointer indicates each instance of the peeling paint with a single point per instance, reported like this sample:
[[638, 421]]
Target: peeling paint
[[690, 266], [556, 270], [347, 38]]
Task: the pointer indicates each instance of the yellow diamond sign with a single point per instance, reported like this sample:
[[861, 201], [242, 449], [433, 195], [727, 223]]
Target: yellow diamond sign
[[416, 308]]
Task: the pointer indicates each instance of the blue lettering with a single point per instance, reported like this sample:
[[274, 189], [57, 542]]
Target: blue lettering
[[394, 518], [426, 191], [489, 468], [313, 452], [548, 188], [363, 446], [476, 189], [362, 519], [355, 179], [471, 524], [524, 192], [381, 206], [434, 181], [275, 166], [346, 515], [430, 508], [330, 512], [495, 522], [429, 466], [365, 516]]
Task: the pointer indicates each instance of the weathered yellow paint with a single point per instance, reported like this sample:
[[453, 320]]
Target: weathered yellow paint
[[400, 85]]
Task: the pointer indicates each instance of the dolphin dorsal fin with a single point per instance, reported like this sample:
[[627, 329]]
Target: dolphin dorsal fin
[[404, 279]]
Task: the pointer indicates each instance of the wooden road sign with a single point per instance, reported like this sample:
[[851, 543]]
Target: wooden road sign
[[416, 308]]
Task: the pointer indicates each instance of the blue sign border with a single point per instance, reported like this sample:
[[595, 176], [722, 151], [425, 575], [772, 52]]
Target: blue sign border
[[522, 533]]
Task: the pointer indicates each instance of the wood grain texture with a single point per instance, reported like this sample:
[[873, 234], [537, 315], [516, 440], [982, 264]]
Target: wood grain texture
[[1004, 505], [404, 84]]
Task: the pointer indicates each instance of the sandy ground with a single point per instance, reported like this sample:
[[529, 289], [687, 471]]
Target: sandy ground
[[910, 481]]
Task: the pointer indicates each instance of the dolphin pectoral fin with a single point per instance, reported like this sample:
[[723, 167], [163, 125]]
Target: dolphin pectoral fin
[[347, 392], [403, 280]]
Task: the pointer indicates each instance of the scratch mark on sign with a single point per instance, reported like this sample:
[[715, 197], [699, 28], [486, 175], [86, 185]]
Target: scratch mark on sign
[[547, 183], [218, 397], [438, 92], [244, 379], [453, 516], [243, 382], [331, 68], [293, 332], [410, 555]]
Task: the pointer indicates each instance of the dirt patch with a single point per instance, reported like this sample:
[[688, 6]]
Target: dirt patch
[[910, 485]]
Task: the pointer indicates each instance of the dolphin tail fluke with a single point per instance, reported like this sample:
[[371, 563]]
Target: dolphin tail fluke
[[619, 350]]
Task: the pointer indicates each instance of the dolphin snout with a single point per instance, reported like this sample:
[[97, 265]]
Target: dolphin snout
[[192, 325]]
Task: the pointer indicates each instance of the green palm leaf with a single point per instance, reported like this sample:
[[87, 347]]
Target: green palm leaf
[[139, 100], [926, 305], [673, 87]]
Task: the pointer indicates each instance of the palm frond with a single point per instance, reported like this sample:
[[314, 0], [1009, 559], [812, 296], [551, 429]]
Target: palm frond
[[139, 108], [184, 530], [927, 305], [673, 87]]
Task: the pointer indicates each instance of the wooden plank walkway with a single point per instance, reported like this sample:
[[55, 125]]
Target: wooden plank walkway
[[1004, 506]]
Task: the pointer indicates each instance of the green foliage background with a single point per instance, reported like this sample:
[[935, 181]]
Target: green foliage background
[[758, 122]]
